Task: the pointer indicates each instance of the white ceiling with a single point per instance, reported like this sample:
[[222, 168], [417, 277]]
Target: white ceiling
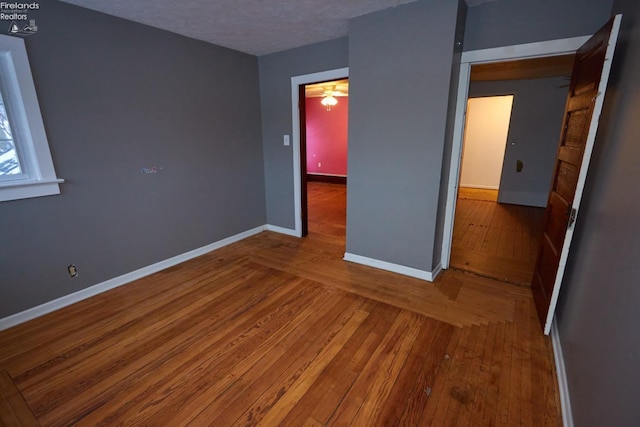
[[258, 27]]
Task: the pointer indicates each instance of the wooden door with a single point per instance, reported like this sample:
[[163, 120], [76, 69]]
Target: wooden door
[[580, 122]]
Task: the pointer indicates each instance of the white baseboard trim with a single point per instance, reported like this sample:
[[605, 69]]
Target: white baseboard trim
[[480, 186], [48, 307], [565, 401], [395, 268], [282, 230], [436, 270]]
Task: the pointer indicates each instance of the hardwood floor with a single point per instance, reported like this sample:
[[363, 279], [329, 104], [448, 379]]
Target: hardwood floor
[[275, 330], [327, 207], [494, 239]]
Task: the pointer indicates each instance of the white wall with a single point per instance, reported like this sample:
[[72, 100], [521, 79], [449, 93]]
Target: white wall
[[485, 140]]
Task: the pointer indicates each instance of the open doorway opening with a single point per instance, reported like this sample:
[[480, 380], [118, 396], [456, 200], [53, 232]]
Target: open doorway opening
[[324, 146], [509, 149], [298, 135], [485, 141], [586, 90]]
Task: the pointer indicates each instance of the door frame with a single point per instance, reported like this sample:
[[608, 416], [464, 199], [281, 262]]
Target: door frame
[[296, 81], [499, 54]]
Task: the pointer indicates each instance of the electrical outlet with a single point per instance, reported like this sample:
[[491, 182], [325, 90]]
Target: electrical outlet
[[73, 271]]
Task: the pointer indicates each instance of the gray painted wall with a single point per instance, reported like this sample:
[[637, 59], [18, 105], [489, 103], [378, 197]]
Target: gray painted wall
[[400, 65], [448, 137], [536, 118], [117, 96], [598, 313], [510, 22], [276, 71]]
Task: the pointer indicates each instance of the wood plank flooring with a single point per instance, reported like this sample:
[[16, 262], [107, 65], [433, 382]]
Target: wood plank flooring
[[14, 411], [494, 239], [276, 330]]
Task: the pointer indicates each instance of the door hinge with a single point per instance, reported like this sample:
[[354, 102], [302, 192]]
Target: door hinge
[[572, 217]]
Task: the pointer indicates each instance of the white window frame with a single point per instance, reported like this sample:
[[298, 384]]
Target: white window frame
[[19, 94]]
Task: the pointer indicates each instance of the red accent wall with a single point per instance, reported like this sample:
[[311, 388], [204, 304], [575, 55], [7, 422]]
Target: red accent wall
[[327, 137]]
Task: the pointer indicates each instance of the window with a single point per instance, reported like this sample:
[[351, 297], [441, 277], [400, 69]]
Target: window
[[26, 168], [9, 162]]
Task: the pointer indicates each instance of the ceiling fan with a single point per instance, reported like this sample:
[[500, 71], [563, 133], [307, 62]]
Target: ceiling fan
[[328, 98], [328, 91], [335, 88]]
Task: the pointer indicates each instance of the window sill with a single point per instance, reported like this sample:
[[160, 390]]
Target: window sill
[[29, 189]]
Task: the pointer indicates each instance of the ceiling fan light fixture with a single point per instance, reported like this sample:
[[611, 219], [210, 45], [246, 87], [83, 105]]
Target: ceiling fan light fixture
[[329, 101]]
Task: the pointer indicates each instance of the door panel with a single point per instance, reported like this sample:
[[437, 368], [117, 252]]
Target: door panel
[[566, 180], [558, 218], [570, 155], [546, 272], [577, 122], [587, 74], [580, 122]]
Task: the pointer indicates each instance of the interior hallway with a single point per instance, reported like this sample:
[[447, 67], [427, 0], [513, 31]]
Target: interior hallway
[[494, 239], [276, 330]]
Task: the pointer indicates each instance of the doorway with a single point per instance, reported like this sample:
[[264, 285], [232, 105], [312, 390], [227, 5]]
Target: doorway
[[489, 60], [297, 86], [324, 144], [499, 236], [587, 86], [485, 141], [490, 238]]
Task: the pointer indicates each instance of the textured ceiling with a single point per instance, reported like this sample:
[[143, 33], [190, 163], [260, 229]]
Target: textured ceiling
[[257, 27]]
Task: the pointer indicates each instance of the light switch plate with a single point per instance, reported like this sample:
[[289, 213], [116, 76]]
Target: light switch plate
[[286, 141]]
